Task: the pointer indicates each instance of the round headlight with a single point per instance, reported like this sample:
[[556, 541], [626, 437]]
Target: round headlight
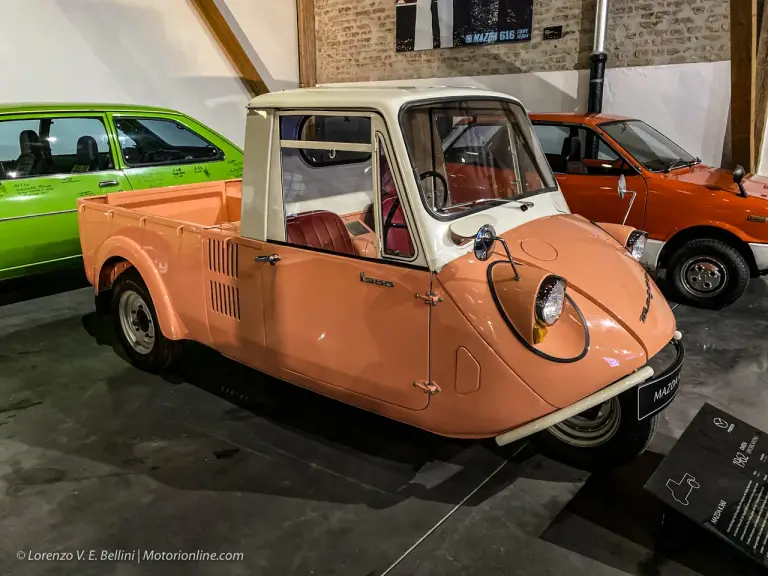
[[636, 243], [550, 300]]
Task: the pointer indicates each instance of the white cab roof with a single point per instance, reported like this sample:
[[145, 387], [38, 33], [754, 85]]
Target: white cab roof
[[376, 97]]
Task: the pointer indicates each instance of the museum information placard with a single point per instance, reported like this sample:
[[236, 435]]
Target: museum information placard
[[717, 476]]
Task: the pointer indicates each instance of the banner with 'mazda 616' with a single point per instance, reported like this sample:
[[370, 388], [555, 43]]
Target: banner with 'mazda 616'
[[429, 24]]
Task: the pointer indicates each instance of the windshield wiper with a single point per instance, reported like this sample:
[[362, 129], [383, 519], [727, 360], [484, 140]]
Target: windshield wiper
[[680, 163], [472, 203]]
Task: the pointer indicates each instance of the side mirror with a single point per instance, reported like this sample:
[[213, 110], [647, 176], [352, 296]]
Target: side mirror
[[622, 186], [738, 176], [484, 241]]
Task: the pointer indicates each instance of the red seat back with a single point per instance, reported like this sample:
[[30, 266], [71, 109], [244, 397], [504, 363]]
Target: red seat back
[[397, 239], [319, 229]]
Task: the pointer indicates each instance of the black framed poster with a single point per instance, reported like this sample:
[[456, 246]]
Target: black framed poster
[[428, 24]]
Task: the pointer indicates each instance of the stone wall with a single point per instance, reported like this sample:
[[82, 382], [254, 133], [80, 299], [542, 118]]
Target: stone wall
[[356, 40]]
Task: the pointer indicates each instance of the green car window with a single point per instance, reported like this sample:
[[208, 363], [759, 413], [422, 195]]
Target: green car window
[[49, 146], [153, 142]]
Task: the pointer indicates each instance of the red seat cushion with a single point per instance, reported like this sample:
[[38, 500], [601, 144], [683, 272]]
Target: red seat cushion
[[319, 229]]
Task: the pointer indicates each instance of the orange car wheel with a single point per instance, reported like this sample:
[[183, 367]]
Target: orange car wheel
[[707, 273]]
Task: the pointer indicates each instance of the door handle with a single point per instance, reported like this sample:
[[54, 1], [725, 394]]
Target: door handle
[[272, 259], [108, 183]]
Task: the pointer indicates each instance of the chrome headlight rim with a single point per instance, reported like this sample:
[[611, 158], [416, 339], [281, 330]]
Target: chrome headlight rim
[[550, 300], [636, 244]]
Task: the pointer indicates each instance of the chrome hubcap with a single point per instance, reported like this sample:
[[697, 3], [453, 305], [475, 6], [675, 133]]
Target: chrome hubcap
[[136, 322], [704, 276], [592, 427]]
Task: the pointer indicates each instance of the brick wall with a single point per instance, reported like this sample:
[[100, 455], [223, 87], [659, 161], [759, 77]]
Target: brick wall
[[356, 40]]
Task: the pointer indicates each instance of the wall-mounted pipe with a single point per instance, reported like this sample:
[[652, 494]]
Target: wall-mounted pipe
[[598, 59]]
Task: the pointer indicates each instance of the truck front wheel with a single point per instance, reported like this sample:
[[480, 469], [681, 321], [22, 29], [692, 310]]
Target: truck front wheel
[[601, 438], [136, 324]]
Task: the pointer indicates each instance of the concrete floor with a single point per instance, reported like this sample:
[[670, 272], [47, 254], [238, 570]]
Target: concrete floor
[[96, 455]]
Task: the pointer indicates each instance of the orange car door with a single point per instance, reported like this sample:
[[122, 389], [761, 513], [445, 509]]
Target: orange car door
[[588, 170], [333, 313]]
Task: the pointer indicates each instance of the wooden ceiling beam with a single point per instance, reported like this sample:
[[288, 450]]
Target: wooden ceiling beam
[[221, 31], [761, 90], [307, 43], [743, 81]]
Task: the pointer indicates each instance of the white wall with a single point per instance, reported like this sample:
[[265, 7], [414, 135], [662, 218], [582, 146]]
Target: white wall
[[762, 165], [687, 102], [154, 52], [267, 29]]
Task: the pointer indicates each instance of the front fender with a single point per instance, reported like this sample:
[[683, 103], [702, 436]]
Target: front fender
[[619, 232], [122, 247]]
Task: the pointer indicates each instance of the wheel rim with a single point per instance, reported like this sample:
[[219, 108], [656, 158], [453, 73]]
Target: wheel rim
[[592, 427], [136, 322], [704, 276]]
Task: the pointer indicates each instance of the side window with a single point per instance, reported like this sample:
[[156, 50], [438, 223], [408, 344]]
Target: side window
[[344, 129], [395, 233], [77, 145], [330, 188], [578, 150], [328, 205], [15, 136], [49, 146], [553, 141], [599, 158], [160, 142]]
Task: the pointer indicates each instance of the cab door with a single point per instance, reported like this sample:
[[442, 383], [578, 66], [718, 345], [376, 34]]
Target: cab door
[[47, 162], [341, 303], [587, 169], [169, 150]]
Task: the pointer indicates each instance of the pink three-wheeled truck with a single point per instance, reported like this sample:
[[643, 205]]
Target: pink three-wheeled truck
[[407, 251]]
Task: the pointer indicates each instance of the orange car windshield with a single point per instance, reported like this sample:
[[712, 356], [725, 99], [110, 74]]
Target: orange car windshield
[[647, 145], [469, 155]]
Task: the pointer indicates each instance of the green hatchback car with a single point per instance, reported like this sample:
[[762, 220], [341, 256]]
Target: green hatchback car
[[53, 154]]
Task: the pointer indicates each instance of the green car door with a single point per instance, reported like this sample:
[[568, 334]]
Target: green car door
[[47, 162], [168, 150]]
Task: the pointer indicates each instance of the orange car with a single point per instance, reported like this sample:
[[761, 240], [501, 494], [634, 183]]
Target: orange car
[[706, 227], [440, 281]]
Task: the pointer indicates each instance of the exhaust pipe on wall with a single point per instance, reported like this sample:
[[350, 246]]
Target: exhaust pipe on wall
[[598, 59]]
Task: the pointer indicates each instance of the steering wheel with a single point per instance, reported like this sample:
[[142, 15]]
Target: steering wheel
[[389, 225], [435, 174]]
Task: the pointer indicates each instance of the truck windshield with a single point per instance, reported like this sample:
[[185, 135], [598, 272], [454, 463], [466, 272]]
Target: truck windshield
[[648, 146], [469, 155]]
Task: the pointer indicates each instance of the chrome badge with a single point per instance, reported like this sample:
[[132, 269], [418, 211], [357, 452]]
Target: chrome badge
[[648, 298]]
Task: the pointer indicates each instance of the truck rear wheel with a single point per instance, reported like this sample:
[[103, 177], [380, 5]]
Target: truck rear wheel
[[604, 437], [136, 324]]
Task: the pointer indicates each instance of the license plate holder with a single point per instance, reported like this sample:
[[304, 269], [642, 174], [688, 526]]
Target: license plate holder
[[654, 395]]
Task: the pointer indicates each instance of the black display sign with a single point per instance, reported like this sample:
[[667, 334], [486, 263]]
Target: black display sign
[[427, 24], [553, 32], [717, 475]]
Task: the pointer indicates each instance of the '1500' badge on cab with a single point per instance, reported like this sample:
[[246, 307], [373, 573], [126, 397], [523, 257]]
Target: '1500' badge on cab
[[369, 280]]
